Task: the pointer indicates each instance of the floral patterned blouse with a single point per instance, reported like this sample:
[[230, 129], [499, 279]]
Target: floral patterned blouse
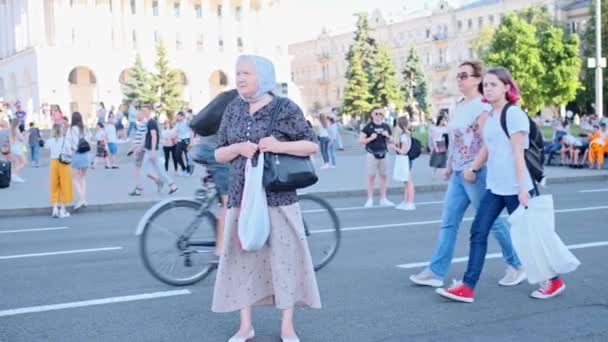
[[239, 126]]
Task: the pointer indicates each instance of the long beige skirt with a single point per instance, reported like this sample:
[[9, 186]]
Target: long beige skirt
[[281, 274]]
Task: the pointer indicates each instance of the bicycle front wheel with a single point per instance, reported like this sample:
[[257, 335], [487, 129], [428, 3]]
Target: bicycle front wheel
[[322, 228], [178, 241]]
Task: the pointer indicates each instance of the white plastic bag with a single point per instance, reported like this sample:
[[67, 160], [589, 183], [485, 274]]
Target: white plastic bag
[[541, 251], [401, 170], [254, 220]]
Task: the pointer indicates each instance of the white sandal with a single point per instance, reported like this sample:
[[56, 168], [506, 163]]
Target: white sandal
[[237, 338]]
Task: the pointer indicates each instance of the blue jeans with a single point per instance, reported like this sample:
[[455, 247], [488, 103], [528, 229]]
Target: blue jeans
[[35, 153], [491, 205], [331, 151], [459, 195], [324, 142]]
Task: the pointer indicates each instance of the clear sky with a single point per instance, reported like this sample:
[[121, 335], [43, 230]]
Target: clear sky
[[306, 18]]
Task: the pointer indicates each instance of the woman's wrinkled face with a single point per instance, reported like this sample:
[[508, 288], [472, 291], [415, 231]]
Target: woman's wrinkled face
[[494, 89], [466, 79], [246, 79]]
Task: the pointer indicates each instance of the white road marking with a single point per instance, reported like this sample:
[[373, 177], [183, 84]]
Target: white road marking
[[102, 301], [422, 223], [499, 255], [594, 190], [32, 230], [364, 208], [75, 251]]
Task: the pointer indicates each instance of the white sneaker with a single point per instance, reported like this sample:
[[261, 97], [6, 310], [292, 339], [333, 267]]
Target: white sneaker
[[401, 206], [406, 206], [55, 213], [426, 278], [63, 213], [386, 203], [369, 203], [512, 277], [237, 338], [17, 179]]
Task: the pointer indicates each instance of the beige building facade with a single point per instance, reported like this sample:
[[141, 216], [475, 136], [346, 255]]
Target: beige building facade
[[77, 53], [441, 35]]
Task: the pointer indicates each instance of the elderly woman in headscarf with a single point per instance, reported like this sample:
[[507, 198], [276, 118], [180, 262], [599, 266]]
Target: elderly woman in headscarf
[[281, 273]]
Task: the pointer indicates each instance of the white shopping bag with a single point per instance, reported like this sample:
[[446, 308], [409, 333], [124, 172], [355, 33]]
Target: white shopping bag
[[541, 251], [254, 220], [401, 170]]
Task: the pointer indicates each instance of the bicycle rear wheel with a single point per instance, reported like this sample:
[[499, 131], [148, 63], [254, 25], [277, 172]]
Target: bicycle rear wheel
[[322, 228], [178, 241]]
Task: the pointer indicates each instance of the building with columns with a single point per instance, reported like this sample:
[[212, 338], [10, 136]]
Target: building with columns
[[442, 36], [77, 53]]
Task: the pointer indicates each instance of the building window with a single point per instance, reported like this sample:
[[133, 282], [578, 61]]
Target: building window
[[459, 25], [238, 13], [178, 41], [156, 37], [428, 58], [198, 9], [491, 19], [471, 53], [200, 42], [480, 20], [470, 24], [177, 9], [73, 35], [155, 8], [239, 42], [220, 44], [428, 33], [134, 38], [219, 11], [441, 56], [101, 3], [133, 7], [81, 3]]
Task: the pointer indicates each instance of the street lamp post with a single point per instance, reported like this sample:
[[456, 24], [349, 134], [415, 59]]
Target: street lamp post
[[598, 60]]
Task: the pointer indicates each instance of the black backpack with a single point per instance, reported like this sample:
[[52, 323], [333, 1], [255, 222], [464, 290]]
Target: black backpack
[[5, 174], [415, 149], [534, 154], [83, 145]]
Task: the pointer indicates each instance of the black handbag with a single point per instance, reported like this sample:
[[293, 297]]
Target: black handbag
[[284, 172], [64, 158], [207, 121]]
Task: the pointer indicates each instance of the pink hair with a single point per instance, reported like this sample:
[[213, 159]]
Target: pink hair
[[513, 95]]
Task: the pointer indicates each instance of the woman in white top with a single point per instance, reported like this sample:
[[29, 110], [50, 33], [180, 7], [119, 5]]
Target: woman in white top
[[334, 136], [438, 132], [60, 174], [17, 154], [508, 180], [168, 138], [81, 160], [324, 139], [403, 166]]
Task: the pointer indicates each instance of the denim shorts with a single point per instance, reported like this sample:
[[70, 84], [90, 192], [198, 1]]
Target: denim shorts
[[112, 148], [206, 155]]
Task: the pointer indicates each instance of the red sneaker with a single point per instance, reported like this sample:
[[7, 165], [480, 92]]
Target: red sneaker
[[458, 291], [550, 288]]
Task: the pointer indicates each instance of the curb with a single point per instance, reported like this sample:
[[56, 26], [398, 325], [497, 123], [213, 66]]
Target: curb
[[97, 208]]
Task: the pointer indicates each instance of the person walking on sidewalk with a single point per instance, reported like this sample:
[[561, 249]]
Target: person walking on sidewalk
[[403, 165], [466, 144], [60, 174], [132, 116], [281, 273], [153, 161], [324, 139], [112, 141], [102, 146], [375, 136], [137, 149], [184, 134], [438, 145], [34, 139], [78, 138], [334, 136], [169, 141], [508, 180], [18, 158]]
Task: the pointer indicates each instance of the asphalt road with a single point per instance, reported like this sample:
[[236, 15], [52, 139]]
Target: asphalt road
[[101, 291]]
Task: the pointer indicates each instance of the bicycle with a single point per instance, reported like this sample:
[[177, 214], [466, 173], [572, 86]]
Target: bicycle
[[189, 249]]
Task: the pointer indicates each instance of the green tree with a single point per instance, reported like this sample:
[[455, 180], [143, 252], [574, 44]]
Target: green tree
[[563, 66], [481, 43], [357, 98], [586, 96], [515, 47], [139, 84], [166, 86], [384, 86], [414, 87], [363, 44]]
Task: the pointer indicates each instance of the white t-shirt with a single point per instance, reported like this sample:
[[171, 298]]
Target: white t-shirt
[[55, 146], [502, 177], [464, 132], [571, 140], [74, 135], [111, 132], [100, 135], [323, 132]]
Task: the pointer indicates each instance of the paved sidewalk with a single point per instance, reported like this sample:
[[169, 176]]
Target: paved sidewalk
[[107, 189]]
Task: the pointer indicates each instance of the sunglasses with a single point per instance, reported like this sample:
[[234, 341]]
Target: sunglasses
[[464, 76]]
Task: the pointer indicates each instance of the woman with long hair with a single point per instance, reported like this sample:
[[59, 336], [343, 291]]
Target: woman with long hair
[[81, 160], [168, 138], [60, 176], [508, 180], [17, 151], [324, 139]]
